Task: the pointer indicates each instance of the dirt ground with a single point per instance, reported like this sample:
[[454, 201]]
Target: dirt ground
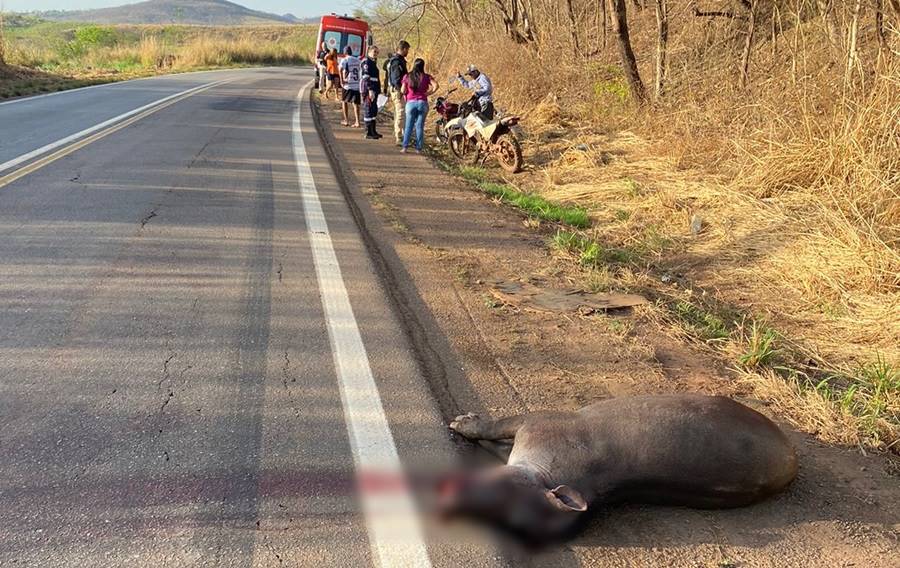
[[439, 243]]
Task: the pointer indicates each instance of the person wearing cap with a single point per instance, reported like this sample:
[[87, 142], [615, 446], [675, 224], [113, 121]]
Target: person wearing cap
[[484, 89], [370, 88]]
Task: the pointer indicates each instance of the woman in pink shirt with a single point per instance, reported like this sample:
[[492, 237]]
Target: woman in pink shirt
[[417, 87]]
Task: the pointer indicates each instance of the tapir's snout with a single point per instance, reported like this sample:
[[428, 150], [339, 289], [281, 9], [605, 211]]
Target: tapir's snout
[[450, 491], [500, 498]]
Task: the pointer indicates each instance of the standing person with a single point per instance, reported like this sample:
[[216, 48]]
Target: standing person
[[350, 76], [370, 88], [320, 65], [331, 68], [484, 90], [417, 87], [395, 70]]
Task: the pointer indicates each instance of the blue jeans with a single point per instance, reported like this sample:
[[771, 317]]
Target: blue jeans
[[415, 115]]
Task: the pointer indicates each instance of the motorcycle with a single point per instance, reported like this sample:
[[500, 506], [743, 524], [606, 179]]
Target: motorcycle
[[447, 111], [473, 139]]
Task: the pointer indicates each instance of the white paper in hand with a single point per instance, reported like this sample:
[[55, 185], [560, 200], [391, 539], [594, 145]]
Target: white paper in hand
[[382, 100]]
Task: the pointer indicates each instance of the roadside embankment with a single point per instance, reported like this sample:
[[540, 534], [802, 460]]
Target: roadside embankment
[[449, 247], [755, 191]]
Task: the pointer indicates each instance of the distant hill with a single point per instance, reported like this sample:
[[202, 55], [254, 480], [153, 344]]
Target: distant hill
[[198, 12]]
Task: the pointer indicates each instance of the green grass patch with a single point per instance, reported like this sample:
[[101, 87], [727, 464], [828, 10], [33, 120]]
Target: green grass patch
[[590, 253], [473, 174], [700, 322], [654, 242], [760, 347], [610, 86], [531, 203], [633, 188], [622, 215], [870, 392]]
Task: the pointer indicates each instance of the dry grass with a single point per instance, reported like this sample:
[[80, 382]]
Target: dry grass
[[63, 53], [806, 408], [795, 182]]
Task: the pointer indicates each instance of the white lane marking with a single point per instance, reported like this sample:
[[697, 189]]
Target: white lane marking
[[395, 535], [71, 138], [112, 84]]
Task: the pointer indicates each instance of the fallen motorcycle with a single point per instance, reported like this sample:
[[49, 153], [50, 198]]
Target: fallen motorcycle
[[473, 139]]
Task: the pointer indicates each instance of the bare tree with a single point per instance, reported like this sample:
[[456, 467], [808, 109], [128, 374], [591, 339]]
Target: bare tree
[[895, 4], [879, 23], [604, 17], [573, 26], [629, 64], [852, 38], [748, 43], [450, 15], [662, 41], [516, 18], [826, 10]]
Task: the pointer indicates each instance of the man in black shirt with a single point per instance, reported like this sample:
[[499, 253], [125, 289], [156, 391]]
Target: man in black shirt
[[394, 71]]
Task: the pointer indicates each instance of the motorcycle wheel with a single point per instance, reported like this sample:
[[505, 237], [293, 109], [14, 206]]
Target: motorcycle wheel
[[439, 132], [463, 148], [509, 153]]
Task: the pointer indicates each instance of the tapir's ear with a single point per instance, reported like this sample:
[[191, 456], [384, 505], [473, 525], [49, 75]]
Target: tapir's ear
[[567, 499]]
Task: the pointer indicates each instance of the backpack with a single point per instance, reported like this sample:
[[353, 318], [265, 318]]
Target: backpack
[[389, 68], [387, 75]]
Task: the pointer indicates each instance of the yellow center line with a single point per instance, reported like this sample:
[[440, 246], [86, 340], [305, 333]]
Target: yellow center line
[[63, 152]]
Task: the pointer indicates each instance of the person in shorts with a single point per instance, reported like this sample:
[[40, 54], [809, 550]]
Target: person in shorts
[[349, 68], [333, 74]]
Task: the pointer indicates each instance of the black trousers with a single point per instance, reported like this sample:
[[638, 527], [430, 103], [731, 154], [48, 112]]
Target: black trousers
[[487, 111], [370, 108]]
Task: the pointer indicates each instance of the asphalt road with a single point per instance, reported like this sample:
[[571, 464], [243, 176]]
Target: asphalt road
[[180, 383]]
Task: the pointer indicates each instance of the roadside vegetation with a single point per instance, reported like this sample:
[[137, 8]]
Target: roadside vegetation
[[43, 56], [531, 204], [742, 169]]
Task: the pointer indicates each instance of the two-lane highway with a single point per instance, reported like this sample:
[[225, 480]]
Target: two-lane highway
[[198, 363]]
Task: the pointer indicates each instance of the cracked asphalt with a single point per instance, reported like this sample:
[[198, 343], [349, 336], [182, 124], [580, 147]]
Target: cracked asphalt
[[167, 387]]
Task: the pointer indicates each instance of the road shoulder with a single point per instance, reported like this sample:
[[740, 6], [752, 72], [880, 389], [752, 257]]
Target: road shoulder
[[416, 421], [440, 245]]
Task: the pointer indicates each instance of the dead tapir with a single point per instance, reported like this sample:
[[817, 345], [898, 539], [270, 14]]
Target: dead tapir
[[682, 449]]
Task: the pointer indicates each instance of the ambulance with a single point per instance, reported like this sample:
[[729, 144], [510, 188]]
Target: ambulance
[[338, 32]]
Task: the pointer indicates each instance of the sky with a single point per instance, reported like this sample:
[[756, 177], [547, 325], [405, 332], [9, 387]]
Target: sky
[[301, 8]]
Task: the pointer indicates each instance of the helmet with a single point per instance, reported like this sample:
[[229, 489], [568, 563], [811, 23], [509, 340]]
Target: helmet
[[472, 70]]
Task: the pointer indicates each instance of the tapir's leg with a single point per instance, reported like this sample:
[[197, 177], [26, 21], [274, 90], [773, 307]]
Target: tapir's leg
[[475, 427], [499, 450]]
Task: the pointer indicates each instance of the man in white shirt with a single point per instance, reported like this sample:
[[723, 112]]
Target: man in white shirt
[[350, 79], [484, 89]]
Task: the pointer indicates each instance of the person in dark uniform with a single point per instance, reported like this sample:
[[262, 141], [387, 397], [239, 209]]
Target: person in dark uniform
[[370, 88]]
